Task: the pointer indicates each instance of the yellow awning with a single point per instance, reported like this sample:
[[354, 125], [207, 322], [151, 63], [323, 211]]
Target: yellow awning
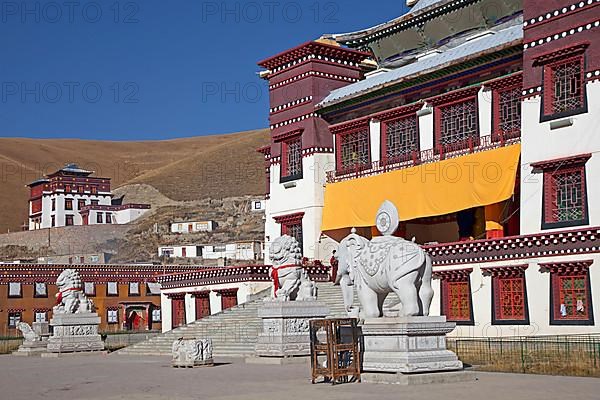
[[426, 190]]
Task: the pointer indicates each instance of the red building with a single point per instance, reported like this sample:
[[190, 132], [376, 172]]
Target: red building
[[127, 297]]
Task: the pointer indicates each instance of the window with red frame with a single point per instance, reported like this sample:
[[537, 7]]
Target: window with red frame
[[291, 158], [401, 139], [353, 150], [68, 204], [565, 197], [510, 299], [571, 297], [564, 87], [507, 113], [69, 220], [80, 204], [294, 230], [458, 125], [456, 304]]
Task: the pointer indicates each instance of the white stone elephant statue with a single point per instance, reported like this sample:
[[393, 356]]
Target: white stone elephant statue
[[380, 266]]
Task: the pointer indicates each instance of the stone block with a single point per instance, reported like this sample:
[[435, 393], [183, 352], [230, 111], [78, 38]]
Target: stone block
[[286, 328], [75, 333], [408, 345]]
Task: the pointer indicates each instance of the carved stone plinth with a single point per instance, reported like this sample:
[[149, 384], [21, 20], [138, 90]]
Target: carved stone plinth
[[75, 333], [286, 330], [189, 353], [408, 345]]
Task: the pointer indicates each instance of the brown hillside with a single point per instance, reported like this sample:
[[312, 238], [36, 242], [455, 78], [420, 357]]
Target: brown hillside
[[182, 169]]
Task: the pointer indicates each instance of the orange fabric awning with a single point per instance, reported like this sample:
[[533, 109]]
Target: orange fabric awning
[[439, 188]]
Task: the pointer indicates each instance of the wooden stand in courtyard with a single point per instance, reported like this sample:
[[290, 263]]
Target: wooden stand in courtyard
[[334, 350]]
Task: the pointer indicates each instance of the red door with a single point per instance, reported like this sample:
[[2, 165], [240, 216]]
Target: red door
[[228, 299], [202, 306], [183, 252], [178, 312]]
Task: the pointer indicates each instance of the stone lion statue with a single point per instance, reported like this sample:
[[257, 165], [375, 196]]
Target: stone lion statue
[[28, 334], [291, 280], [70, 298]]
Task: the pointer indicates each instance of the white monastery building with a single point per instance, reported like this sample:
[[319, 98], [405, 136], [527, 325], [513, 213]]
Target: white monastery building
[[70, 196], [242, 250], [193, 226], [478, 120]]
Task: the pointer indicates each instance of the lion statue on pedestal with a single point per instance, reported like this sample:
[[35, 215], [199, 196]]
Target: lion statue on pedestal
[[289, 277], [70, 298]]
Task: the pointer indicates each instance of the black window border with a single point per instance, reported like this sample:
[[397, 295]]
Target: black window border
[[469, 322], [495, 319], [572, 322]]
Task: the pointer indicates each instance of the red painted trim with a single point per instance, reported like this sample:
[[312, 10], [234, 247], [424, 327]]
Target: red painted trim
[[562, 29], [289, 219], [456, 96], [561, 15], [453, 274], [312, 47], [350, 126], [567, 267], [577, 160], [561, 53], [507, 271], [287, 135], [266, 150]]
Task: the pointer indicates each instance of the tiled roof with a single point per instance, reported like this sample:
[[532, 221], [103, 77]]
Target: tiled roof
[[424, 65]]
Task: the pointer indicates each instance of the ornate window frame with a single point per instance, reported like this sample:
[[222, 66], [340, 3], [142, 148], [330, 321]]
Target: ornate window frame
[[549, 62], [342, 132], [507, 273], [288, 221], [393, 116], [551, 169], [560, 270], [448, 100], [514, 84], [462, 276], [293, 144]]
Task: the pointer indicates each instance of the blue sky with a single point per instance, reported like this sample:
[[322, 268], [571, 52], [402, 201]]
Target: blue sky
[[132, 70]]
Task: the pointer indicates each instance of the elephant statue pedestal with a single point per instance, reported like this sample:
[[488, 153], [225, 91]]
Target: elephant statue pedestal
[[77, 332], [406, 345], [286, 328]]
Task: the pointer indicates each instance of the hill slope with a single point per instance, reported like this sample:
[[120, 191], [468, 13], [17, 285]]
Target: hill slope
[[182, 169]]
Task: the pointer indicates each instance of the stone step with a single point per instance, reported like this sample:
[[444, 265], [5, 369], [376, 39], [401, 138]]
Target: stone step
[[243, 321]]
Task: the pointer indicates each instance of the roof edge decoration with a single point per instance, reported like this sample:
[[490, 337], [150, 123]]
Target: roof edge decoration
[[419, 13], [319, 47]]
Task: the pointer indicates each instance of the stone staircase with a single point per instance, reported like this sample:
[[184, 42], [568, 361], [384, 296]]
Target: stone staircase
[[234, 332]]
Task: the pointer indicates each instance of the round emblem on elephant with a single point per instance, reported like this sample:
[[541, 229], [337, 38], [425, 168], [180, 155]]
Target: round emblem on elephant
[[387, 219], [383, 222]]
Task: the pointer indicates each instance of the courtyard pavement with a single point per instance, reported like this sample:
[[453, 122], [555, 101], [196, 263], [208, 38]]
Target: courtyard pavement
[[113, 377]]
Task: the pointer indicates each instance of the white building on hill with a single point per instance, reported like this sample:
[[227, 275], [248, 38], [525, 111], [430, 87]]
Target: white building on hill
[[70, 196]]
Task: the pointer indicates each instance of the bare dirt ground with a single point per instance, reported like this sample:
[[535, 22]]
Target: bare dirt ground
[[113, 377]]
